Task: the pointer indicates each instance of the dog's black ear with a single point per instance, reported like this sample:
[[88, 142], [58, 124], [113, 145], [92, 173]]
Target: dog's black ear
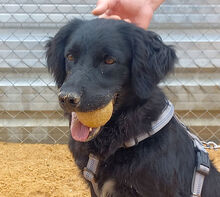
[[152, 60], [55, 51]]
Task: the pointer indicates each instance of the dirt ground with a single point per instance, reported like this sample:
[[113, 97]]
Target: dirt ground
[[36, 170]]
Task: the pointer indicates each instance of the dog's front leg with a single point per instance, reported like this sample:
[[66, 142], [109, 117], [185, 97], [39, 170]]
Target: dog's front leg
[[108, 189]]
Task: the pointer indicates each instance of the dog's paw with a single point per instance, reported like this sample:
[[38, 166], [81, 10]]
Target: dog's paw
[[108, 189]]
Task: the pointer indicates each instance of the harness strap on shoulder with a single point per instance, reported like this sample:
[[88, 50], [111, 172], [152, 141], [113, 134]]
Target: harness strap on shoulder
[[202, 164], [202, 168], [156, 126]]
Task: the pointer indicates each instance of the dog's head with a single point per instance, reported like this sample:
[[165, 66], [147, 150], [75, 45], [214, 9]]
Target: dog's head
[[93, 61]]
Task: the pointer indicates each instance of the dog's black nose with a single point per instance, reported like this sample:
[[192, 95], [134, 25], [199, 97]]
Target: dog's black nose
[[69, 99]]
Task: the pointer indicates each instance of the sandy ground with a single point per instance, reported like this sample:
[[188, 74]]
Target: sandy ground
[[36, 170]]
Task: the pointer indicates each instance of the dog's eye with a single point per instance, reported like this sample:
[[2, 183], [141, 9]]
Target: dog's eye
[[70, 57], [109, 60]]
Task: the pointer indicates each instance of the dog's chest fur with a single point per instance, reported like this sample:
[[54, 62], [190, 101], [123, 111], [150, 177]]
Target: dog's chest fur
[[115, 175], [123, 172]]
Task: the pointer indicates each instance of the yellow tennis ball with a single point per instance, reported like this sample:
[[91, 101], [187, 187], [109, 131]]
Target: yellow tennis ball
[[97, 118]]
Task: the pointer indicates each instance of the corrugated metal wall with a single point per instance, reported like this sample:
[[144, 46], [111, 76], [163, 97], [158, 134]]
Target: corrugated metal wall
[[29, 110]]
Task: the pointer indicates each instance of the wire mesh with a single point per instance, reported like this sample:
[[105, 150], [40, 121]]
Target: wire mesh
[[29, 110]]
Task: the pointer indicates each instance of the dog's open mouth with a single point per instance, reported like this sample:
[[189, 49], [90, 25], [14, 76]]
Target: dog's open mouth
[[85, 126], [81, 132]]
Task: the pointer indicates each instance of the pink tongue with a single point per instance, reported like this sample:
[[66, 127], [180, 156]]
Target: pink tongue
[[79, 132]]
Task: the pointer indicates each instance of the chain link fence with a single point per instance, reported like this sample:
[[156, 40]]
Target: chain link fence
[[29, 110]]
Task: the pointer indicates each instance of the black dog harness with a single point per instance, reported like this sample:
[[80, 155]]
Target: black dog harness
[[202, 167]]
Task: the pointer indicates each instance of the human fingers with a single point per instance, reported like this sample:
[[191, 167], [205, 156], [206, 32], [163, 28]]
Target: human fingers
[[101, 7], [127, 20], [116, 17]]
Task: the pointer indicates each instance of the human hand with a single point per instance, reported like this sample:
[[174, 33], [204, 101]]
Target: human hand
[[139, 12]]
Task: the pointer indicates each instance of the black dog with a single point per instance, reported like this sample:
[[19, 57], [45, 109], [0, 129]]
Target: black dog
[[94, 62]]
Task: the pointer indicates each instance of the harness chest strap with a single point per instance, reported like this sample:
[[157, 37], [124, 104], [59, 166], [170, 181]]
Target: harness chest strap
[[202, 167], [90, 170]]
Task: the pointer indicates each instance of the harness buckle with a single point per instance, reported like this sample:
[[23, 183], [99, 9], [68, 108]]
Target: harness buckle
[[88, 174], [203, 163], [89, 171]]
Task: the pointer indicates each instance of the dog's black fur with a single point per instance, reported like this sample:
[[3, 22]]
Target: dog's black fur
[[160, 166]]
